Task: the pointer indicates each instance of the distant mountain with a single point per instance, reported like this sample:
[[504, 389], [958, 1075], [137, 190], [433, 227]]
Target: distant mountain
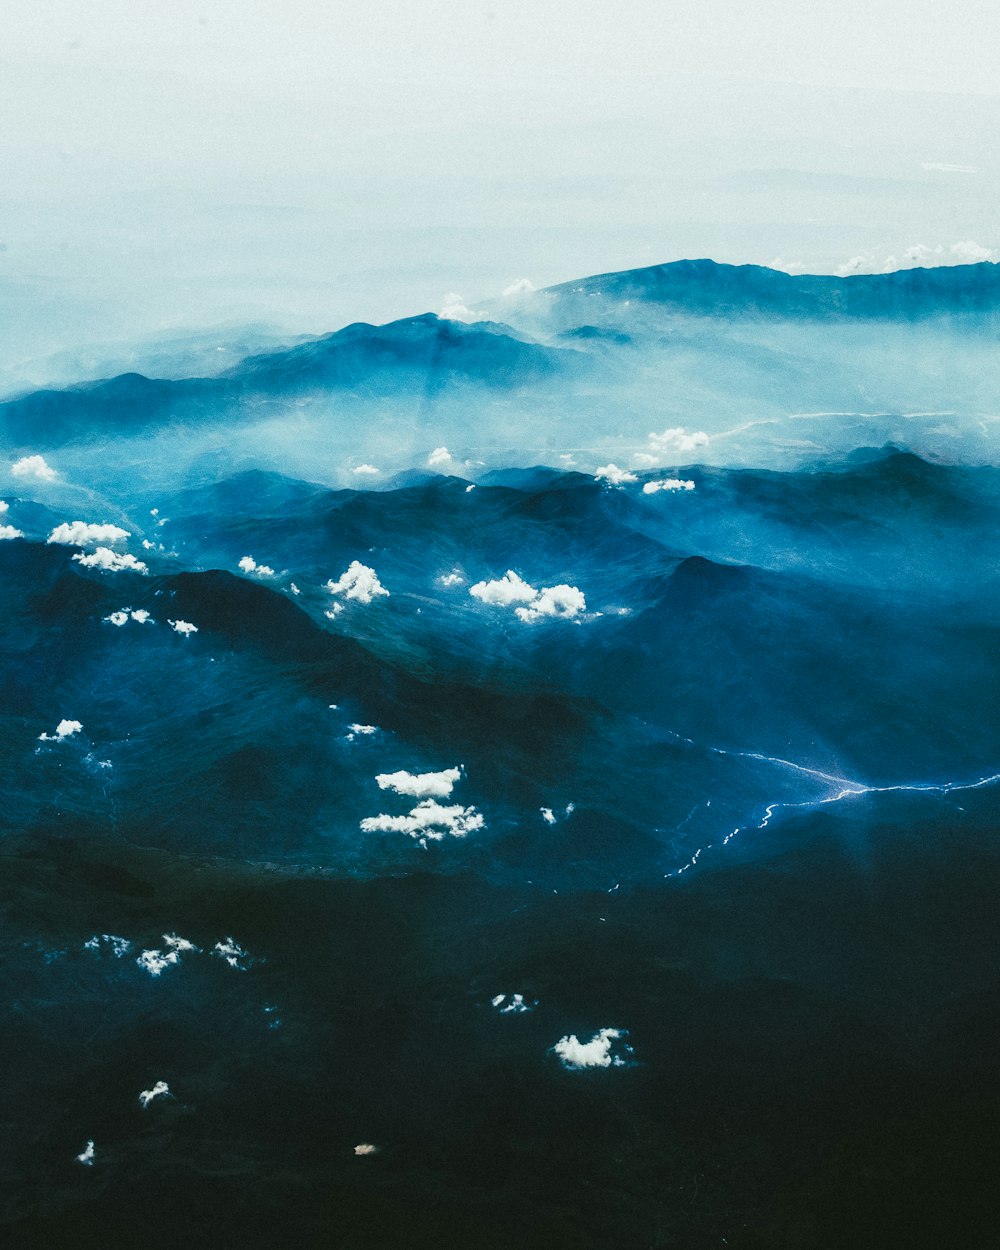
[[423, 355], [706, 288]]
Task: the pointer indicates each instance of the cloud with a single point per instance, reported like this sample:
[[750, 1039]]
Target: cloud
[[120, 946], [365, 1148], [470, 489], [421, 785], [234, 954], [668, 484], [562, 601], [65, 729], [111, 561], [940, 168], [249, 565], [34, 468], [521, 286], [451, 579], [364, 731], [179, 944], [124, 615], [428, 820], [160, 1090], [8, 531], [81, 534], [455, 310], [548, 815], [440, 455], [334, 612], [4, 505], [516, 1006], [970, 253], [358, 582], [87, 1157], [366, 470], [504, 591], [294, 589], [614, 476], [597, 1053], [676, 441], [157, 961], [183, 627]]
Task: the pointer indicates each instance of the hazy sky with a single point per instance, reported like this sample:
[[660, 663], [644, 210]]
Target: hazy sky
[[309, 164]]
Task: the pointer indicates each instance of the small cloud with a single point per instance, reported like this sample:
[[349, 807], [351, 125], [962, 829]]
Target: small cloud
[[365, 1148], [33, 468], [160, 1090], [4, 505], [179, 944], [428, 820], [614, 476], [124, 615], [234, 954], [971, 253], [516, 1005], [439, 456], [294, 589], [80, 534], [359, 582], [451, 579], [548, 815], [939, 167], [111, 561], [521, 286], [65, 729], [787, 266], [362, 731], [332, 613], [366, 470], [119, 946], [249, 565], [183, 627], [87, 1155], [8, 531], [455, 310], [676, 441], [568, 459], [156, 961], [667, 484], [597, 1053], [470, 489], [562, 601], [505, 590], [421, 785]]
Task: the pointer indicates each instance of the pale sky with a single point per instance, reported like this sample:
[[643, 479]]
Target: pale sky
[[311, 164]]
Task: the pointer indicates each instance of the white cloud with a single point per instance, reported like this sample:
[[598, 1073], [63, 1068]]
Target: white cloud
[[614, 476], [548, 815], [119, 946], [421, 785], [455, 310], [111, 561], [87, 1157], [124, 615], [428, 820], [179, 944], [334, 612], [939, 167], [676, 441], [183, 627], [563, 601], [517, 1004], [451, 579], [668, 484], [35, 468], [364, 731], [359, 582], [294, 589], [234, 954], [440, 455], [469, 489], [365, 1148], [366, 470], [971, 253], [65, 729], [160, 1090], [81, 534], [8, 531], [249, 565], [155, 961], [521, 286], [504, 591], [597, 1053], [4, 505]]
